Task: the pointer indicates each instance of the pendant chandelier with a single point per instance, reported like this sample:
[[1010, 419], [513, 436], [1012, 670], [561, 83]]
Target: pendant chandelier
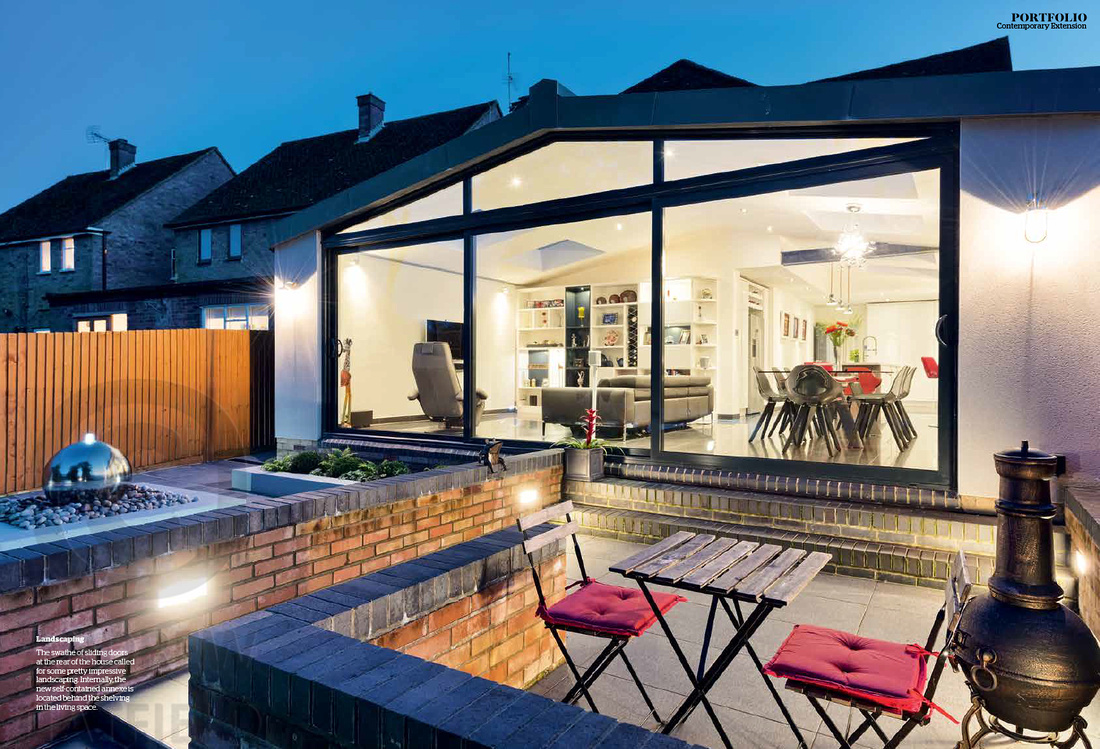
[[832, 300], [852, 247]]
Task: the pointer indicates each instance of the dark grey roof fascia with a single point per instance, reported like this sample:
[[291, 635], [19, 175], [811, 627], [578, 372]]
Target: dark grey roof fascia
[[552, 107]]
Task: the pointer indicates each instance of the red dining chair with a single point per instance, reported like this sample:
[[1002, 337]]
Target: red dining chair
[[931, 367], [594, 608]]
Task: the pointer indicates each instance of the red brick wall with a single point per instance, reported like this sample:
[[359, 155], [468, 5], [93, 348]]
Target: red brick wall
[[494, 634], [117, 607], [1088, 581]]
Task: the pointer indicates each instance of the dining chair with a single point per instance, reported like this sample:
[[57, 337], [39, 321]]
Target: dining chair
[[877, 678], [813, 393], [873, 404], [595, 609], [769, 394], [931, 367], [900, 404]]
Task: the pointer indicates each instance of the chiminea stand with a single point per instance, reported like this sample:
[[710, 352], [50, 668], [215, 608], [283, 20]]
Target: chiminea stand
[[990, 724]]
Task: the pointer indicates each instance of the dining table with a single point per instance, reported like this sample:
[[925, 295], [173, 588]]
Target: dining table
[[732, 572]]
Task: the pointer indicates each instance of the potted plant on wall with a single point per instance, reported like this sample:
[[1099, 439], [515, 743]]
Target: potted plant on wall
[[584, 457]]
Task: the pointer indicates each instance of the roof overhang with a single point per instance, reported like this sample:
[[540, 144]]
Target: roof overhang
[[258, 285], [552, 108], [62, 235]]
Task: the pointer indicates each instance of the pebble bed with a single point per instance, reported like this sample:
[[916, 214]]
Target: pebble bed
[[34, 511]]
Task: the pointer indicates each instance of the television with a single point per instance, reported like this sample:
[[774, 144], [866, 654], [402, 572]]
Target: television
[[450, 333]]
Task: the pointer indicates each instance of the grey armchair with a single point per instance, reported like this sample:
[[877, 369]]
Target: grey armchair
[[437, 385]]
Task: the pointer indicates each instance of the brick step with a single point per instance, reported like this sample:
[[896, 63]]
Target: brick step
[[851, 520]]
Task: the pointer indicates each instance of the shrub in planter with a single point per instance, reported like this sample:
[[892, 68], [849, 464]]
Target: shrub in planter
[[338, 462], [306, 461], [369, 472], [584, 457], [278, 464], [389, 468]]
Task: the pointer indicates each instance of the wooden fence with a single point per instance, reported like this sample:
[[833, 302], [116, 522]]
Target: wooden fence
[[159, 396]]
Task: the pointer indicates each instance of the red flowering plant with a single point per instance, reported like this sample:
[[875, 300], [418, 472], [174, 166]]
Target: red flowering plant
[[838, 331], [590, 441]]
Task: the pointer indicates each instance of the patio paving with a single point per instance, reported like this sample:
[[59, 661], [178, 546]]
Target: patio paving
[[875, 609], [751, 719]]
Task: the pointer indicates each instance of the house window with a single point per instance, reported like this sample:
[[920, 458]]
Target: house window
[[236, 317], [234, 241], [103, 323], [204, 245], [45, 264], [68, 254]]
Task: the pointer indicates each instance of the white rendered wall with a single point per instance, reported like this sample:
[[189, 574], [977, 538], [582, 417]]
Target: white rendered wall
[[1029, 339], [298, 338]]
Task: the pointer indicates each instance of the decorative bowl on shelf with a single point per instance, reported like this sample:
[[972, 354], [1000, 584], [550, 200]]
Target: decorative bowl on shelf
[[629, 296], [601, 300], [611, 338], [614, 299]]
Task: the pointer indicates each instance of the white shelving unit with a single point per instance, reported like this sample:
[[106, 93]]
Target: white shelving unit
[[540, 345], [691, 307]]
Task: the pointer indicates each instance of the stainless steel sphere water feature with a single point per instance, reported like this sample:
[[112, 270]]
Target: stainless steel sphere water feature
[[82, 468]]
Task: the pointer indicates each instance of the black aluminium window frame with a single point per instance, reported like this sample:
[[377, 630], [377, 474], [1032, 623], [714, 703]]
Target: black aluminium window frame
[[938, 148]]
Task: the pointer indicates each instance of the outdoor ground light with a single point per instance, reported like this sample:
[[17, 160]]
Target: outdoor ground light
[[1035, 220], [528, 496]]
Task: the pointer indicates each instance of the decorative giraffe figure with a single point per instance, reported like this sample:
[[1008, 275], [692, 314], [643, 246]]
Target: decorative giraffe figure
[[345, 382]]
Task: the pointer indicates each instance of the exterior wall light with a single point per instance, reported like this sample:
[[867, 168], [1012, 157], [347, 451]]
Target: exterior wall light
[[1080, 563], [1035, 220], [528, 496], [180, 592]]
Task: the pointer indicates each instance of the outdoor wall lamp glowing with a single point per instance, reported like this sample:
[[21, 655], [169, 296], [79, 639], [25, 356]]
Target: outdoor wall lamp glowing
[[1035, 220], [528, 496], [182, 591]]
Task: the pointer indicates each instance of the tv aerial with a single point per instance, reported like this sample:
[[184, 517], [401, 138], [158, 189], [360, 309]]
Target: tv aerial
[[92, 134], [509, 80]]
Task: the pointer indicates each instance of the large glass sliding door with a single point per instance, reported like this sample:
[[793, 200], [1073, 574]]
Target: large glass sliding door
[[831, 253], [843, 278]]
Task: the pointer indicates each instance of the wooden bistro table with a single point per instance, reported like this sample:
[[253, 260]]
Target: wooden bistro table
[[729, 570]]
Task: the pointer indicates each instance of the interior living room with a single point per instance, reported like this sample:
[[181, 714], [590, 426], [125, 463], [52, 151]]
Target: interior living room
[[841, 279]]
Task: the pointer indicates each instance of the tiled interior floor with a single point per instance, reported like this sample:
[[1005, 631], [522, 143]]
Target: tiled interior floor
[[743, 703], [723, 437], [741, 700]]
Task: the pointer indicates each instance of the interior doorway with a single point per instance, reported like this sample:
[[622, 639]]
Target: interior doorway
[[755, 358]]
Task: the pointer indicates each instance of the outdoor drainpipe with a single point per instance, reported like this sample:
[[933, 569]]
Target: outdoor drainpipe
[[103, 243]]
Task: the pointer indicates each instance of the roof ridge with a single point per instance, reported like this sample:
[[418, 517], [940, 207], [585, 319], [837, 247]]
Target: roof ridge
[[441, 112], [194, 154]]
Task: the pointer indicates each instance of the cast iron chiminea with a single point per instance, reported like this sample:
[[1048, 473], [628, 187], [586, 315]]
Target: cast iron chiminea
[[1030, 662]]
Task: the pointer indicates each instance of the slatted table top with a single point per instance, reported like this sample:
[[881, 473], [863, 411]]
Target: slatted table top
[[745, 570]]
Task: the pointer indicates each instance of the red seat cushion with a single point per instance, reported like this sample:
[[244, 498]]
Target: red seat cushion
[[886, 673], [608, 609]]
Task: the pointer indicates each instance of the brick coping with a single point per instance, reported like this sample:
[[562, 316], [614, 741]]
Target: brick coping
[[1084, 502], [304, 662], [66, 559]]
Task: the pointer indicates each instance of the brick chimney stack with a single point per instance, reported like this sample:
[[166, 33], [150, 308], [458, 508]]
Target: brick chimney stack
[[371, 112], [122, 155]]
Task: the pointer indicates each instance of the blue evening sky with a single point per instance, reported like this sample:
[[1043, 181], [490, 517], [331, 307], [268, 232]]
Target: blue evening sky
[[173, 77]]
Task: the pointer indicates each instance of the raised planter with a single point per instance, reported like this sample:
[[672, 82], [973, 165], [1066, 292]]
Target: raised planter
[[584, 465], [279, 484]]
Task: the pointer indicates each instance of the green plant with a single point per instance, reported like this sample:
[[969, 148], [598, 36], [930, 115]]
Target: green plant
[[389, 468], [305, 461], [368, 472], [590, 441], [277, 464], [338, 462]]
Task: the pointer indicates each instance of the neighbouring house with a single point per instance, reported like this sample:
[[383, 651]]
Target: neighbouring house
[[223, 264], [100, 232], [687, 243]]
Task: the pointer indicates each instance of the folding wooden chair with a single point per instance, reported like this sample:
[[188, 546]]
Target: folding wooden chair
[[595, 609], [875, 677]]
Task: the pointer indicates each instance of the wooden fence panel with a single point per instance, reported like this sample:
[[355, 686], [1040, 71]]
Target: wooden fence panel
[[162, 397]]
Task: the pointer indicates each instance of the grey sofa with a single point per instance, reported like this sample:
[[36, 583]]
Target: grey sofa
[[624, 402]]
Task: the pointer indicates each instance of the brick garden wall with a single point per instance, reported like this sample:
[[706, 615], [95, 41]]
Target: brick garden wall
[[495, 633], [116, 606], [1083, 524]]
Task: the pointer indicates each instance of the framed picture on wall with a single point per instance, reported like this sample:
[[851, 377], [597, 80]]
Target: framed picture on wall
[[794, 328], [803, 328], [785, 324]]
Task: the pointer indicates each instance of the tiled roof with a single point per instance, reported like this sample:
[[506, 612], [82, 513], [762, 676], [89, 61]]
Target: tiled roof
[[81, 200], [987, 57], [301, 172], [685, 75], [991, 56]]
